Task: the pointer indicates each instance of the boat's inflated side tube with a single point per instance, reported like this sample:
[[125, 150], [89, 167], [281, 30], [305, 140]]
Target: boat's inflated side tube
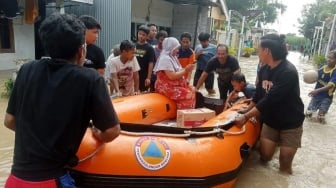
[[245, 150], [145, 109]]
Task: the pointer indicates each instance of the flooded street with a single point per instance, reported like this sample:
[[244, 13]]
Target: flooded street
[[6, 136], [314, 164]]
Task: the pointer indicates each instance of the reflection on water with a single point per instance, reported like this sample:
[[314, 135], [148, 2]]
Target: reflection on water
[[313, 166]]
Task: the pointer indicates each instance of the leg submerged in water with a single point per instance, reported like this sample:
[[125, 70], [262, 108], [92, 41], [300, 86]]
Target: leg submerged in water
[[290, 141], [321, 118], [267, 149], [286, 159]]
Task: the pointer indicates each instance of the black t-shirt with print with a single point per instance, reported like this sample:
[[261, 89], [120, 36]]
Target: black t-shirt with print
[[94, 57], [52, 103], [145, 54], [224, 71], [278, 96]]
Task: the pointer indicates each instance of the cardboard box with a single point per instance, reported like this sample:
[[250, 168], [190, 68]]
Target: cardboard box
[[193, 117]]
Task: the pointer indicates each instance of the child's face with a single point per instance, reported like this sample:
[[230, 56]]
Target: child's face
[[91, 35], [160, 40], [331, 60], [142, 36], [129, 54], [185, 42], [152, 32], [237, 86]]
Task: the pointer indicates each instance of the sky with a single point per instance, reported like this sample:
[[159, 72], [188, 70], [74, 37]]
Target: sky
[[287, 22]]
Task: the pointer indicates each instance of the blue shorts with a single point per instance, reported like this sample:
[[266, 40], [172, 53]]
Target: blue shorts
[[66, 181], [319, 104]]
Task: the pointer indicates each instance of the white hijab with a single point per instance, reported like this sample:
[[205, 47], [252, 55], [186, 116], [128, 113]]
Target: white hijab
[[166, 60]]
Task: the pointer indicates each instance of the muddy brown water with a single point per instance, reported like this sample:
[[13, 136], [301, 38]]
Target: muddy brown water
[[314, 164]]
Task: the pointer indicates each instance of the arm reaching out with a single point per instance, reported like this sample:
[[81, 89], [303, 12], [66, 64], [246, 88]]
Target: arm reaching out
[[108, 135]]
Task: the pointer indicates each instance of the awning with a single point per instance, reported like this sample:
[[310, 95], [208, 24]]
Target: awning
[[194, 2], [219, 3], [9, 8]]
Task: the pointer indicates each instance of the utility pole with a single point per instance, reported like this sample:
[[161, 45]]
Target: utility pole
[[319, 50], [313, 43], [318, 28], [332, 30], [228, 29], [241, 38]]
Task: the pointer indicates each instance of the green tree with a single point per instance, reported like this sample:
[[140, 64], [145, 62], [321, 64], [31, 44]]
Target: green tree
[[313, 14], [294, 40], [254, 10]]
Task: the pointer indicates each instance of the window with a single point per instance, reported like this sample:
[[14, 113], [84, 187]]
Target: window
[[6, 36]]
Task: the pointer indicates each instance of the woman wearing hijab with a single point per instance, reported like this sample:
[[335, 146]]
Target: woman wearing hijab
[[170, 76]]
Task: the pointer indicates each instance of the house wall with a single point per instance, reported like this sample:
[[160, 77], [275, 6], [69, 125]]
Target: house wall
[[179, 18], [24, 45], [158, 12], [185, 20], [216, 13], [114, 18]]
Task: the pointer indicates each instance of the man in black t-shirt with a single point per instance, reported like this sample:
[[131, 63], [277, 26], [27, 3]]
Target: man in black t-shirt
[[225, 66], [52, 103], [95, 57], [145, 55]]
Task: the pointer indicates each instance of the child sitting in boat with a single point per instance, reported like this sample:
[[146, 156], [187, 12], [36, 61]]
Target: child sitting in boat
[[239, 84], [170, 76]]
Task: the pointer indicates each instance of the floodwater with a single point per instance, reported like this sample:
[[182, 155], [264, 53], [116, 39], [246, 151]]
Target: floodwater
[[314, 164]]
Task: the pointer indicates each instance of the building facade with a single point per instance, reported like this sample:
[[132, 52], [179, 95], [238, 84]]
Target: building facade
[[119, 20]]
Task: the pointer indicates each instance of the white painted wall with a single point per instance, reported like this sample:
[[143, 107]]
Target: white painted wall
[[160, 12], [24, 45]]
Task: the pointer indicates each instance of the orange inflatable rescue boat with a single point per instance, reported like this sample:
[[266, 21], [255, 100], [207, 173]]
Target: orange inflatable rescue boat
[[148, 154]]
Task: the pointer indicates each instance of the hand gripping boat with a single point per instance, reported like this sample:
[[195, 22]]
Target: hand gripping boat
[[147, 155]]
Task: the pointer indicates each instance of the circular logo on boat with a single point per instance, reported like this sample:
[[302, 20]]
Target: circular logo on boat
[[152, 153]]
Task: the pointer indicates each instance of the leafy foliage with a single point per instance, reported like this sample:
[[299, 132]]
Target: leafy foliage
[[319, 60], [233, 51], [248, 50], [313, 14], [8, 86], [256, 10], [294, 40]]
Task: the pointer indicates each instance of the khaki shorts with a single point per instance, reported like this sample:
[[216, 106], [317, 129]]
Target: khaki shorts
[[288, 137]]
